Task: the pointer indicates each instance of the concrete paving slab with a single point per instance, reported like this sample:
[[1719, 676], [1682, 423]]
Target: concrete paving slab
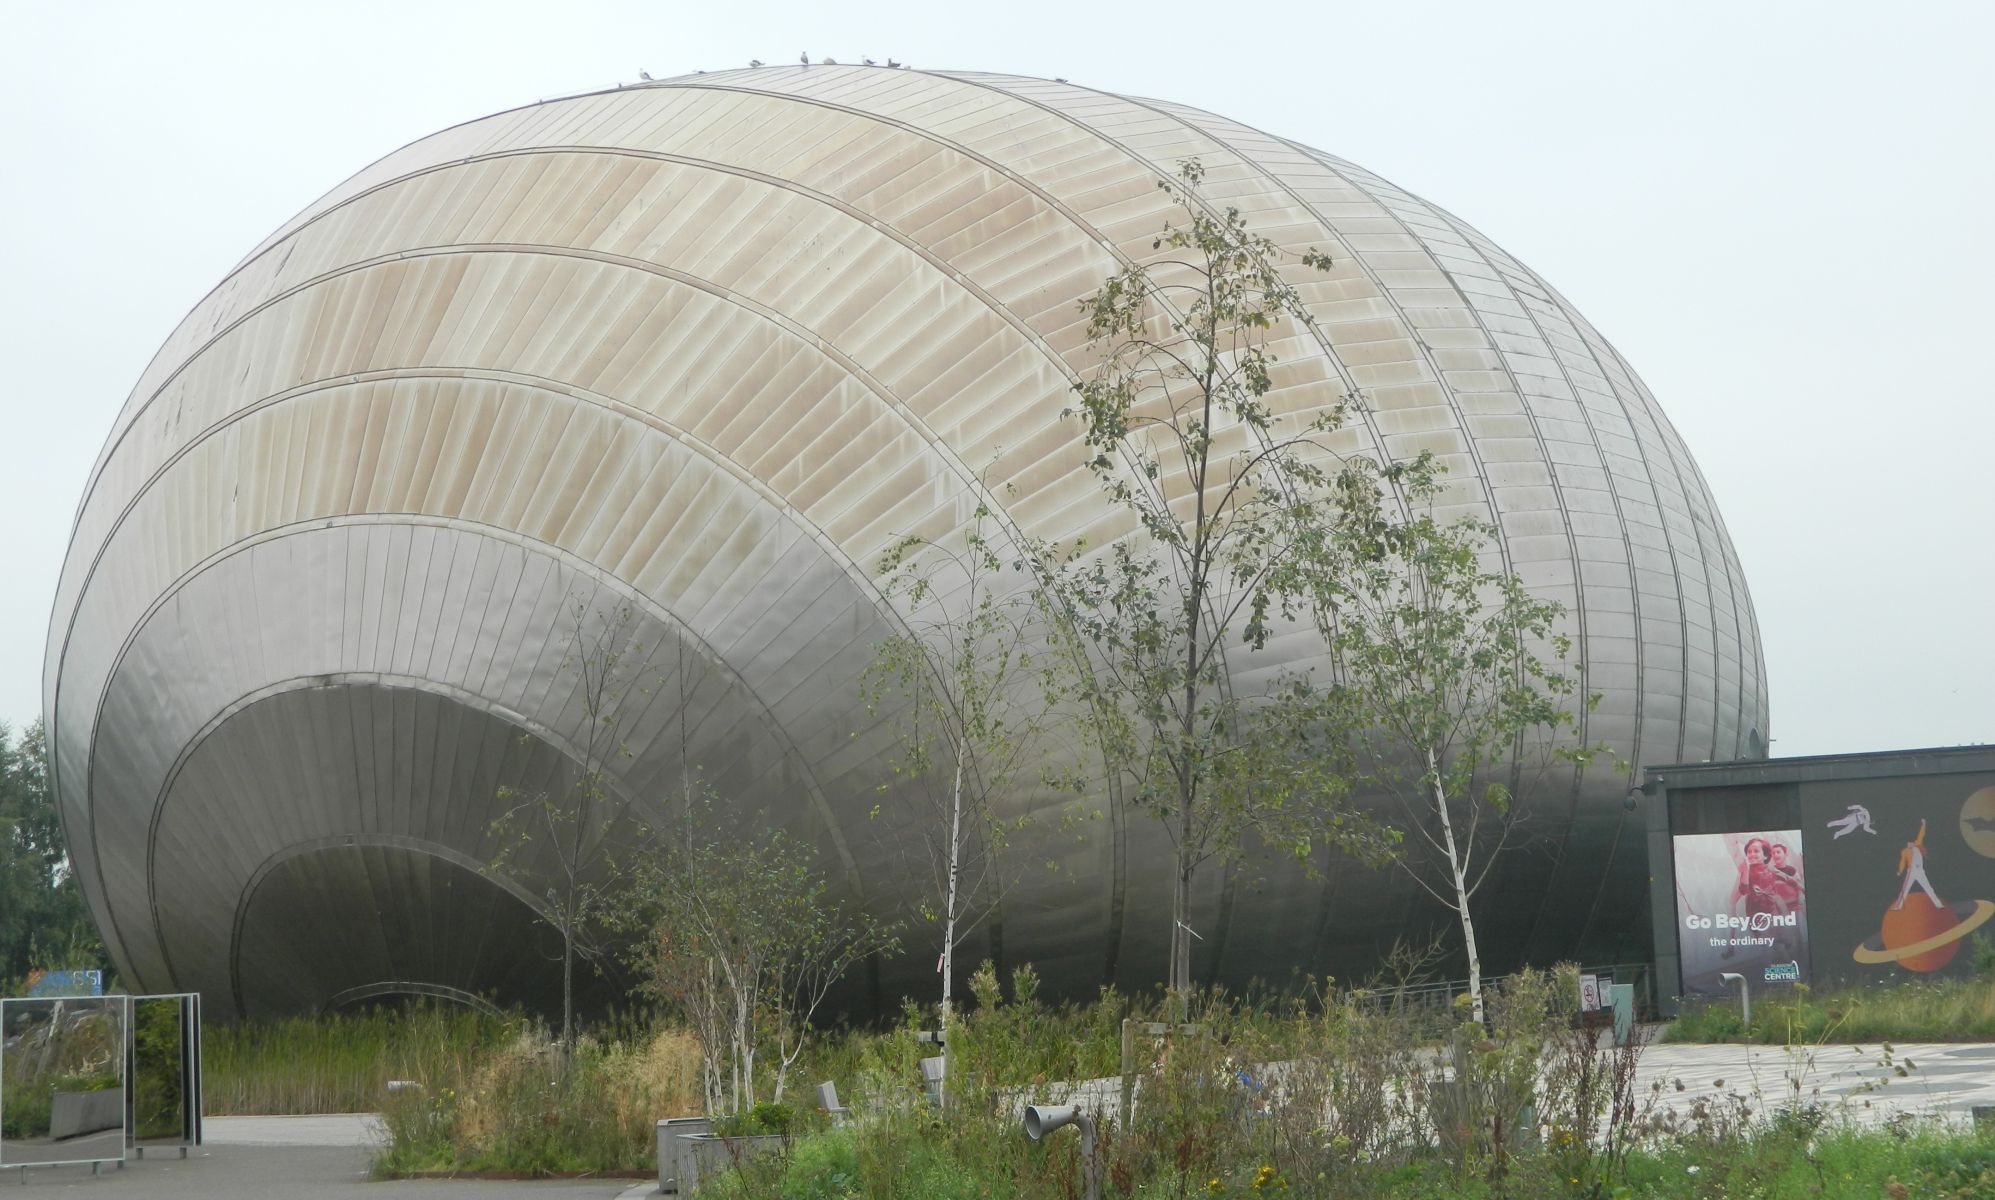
[[328, 1129], [296, 1172], [1938, 1079]]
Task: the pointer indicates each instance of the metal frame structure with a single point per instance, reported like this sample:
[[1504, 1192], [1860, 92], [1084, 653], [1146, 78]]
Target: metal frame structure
[[119, 1004], [191, 1075]]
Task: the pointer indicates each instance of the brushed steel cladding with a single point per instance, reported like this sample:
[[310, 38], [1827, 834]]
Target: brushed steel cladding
[[705, 348]]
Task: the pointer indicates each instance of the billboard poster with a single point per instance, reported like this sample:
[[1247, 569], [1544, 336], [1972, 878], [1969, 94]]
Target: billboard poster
[[1914, 865], [64, 983], [1741, 906]]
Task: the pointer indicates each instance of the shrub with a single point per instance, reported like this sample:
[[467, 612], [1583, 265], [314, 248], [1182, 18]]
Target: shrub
[[766, 1117], [516, 1111], [1328, 1094]]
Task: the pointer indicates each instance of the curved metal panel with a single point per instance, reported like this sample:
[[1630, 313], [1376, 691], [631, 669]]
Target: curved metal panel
[[706, 347], [410, 987]]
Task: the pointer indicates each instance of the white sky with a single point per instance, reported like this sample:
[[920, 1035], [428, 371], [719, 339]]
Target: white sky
[[1783, 214]]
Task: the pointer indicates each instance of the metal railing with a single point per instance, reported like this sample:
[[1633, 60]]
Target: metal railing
[[1437, 997]]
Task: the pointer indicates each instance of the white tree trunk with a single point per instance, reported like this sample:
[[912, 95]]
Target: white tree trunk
[[948, 962], [1458, 877], [1181, 927], [567, 996], [744, 1037]]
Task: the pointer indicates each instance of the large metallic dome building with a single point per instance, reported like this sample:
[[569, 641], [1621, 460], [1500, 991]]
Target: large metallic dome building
[[706, 347]]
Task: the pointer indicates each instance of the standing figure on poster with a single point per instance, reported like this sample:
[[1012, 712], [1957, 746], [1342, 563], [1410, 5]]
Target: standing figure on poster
[[1912, 868]]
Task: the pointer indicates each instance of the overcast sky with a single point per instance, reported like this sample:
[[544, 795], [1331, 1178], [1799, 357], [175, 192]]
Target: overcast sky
[[1780, 214]]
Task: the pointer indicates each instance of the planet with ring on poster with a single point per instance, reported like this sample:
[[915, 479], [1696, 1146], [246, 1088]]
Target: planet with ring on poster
[[1923, 936]]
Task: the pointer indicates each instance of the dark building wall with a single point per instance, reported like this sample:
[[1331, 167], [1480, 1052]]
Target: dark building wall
[[1851, 819]]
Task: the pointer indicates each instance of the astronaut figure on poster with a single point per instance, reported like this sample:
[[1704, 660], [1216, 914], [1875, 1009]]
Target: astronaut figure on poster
[[1858, 817]]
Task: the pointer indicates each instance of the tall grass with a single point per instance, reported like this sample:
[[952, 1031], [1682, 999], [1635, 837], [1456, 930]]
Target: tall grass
[[515, 1110], [1340, 1096], [1938, 1010], [341, 1063], [1340, 1099], [885, 1161]]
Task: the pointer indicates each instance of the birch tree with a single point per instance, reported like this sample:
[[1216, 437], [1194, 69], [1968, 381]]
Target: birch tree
[[576, 844], [747, 940], [974, 686], [1454, 692], [1228, 496]]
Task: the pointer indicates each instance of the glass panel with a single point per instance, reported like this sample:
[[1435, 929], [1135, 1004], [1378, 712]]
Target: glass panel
[[62, 1080], [164, 1071]]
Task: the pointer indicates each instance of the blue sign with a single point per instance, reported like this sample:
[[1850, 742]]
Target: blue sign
[[43, 984]]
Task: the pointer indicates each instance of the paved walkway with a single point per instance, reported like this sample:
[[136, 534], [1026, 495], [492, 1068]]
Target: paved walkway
[[1867, 1083], [219, 1172], [1871, 1084], [333, 1129], [292, 1158]]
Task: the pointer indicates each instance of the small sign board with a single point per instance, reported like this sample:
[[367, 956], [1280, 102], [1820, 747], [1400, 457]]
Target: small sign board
[[53, 984], [1589, 993]]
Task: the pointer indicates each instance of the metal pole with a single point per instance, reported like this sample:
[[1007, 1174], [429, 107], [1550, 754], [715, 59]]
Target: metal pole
[[1041, 1120], [1745, 997], [1128, 1073]]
